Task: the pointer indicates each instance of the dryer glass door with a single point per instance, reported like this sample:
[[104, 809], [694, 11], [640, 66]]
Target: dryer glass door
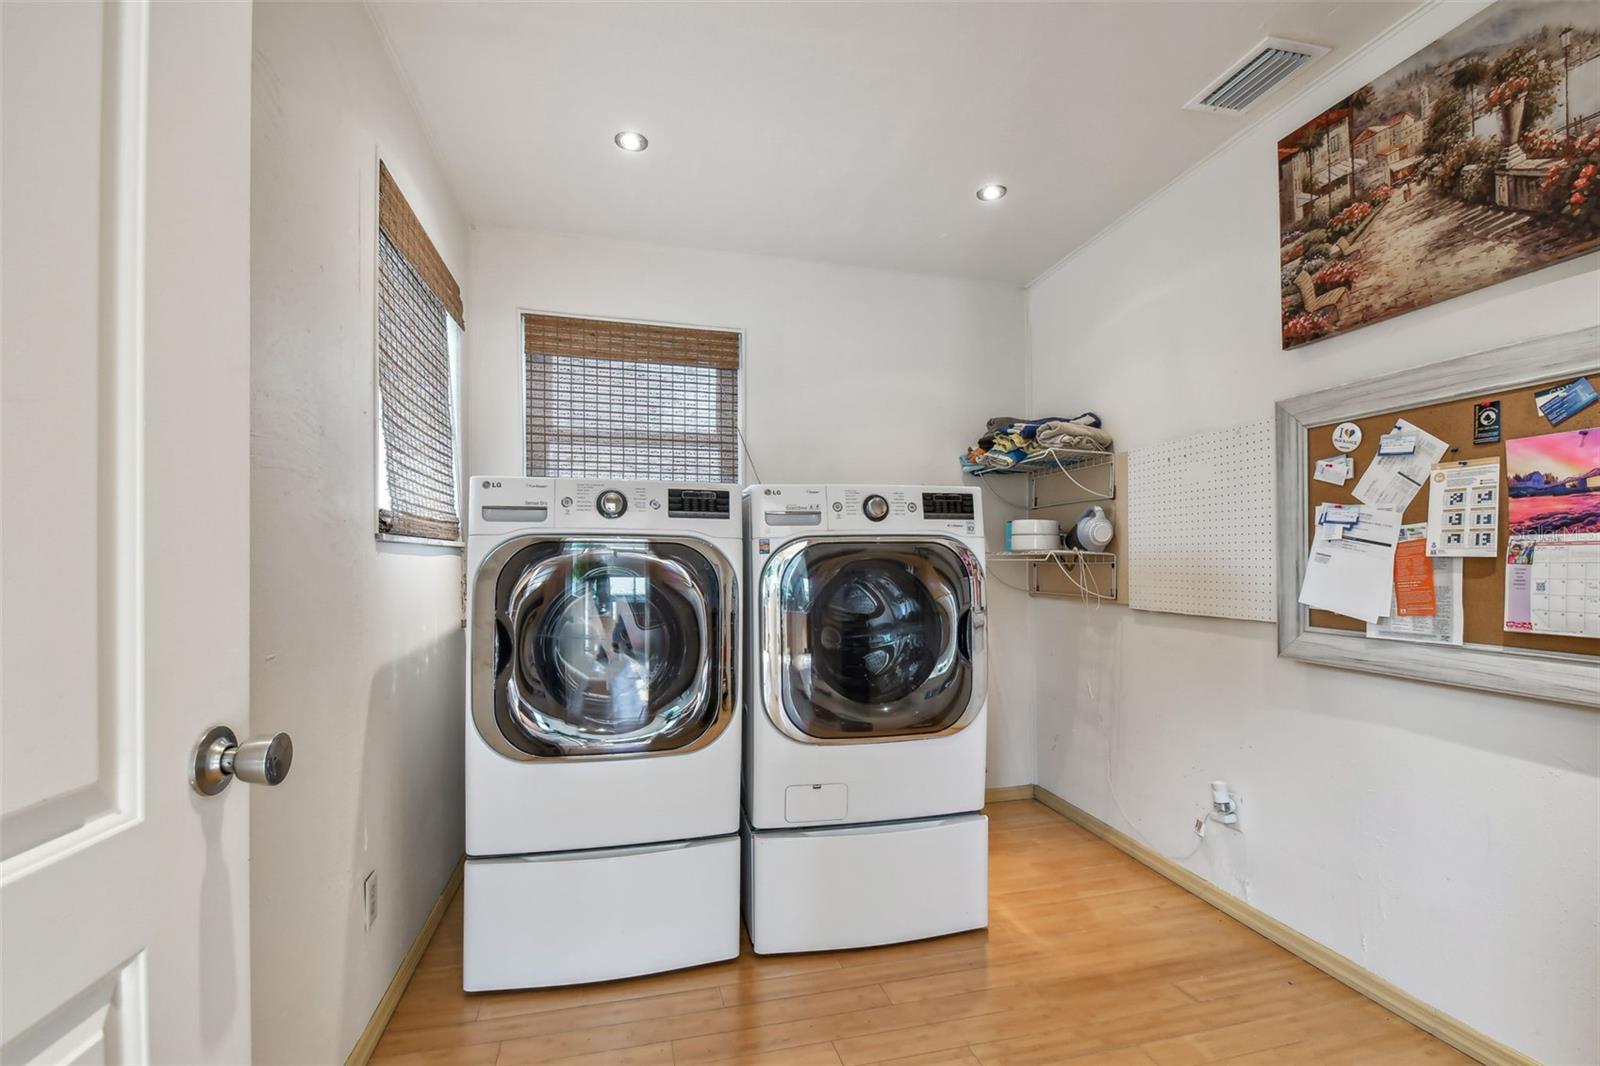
[[606, 647], [875, 640]]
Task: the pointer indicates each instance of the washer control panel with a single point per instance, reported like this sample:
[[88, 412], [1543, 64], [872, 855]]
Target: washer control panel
[[897, 509], [877, 510], [867, 505]]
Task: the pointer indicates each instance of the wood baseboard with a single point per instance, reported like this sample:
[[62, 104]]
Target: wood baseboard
[[368, 1043], [1457, 1034], [1007, 793]]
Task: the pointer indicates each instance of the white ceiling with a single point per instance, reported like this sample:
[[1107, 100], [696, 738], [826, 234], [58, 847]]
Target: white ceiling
[[852, 133]]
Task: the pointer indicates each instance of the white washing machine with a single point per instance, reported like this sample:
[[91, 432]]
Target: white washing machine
[[602, 729], [864, 725]]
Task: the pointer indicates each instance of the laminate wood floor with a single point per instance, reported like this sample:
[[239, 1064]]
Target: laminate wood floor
[[1089, 958]]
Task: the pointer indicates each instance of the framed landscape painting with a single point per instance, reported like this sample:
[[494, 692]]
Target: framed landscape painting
[[1474, 161]]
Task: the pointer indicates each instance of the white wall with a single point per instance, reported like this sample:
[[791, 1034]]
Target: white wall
[[850, 374], [1444, 839], [355, 647]]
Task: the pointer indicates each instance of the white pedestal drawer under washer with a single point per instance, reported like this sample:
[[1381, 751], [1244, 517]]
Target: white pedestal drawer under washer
[[602, 729], [865, 708]]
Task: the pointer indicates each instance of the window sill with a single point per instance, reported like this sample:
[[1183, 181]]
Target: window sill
[[419, 542]]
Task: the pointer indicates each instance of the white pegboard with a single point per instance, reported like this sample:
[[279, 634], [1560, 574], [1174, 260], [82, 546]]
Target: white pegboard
[[1200, 525]]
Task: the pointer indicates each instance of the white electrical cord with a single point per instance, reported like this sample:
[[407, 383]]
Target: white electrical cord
[[1083, 568], [1055, 457], [984, 481], [1095, 493], [1111, 788], [752, 459]]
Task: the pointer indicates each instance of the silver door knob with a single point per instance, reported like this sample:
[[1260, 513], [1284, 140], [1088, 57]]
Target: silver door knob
[[219, 758]]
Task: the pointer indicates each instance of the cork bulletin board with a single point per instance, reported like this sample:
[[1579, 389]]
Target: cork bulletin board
[[1483, 581], [1439, 399]]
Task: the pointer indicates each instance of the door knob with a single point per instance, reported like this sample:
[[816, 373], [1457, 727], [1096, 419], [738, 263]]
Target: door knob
[[219, 758]]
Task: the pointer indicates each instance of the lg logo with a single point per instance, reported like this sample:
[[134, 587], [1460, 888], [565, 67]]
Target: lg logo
[[491, 484]]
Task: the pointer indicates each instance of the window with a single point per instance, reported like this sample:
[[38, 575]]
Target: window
[[418, 338], [624, 399]]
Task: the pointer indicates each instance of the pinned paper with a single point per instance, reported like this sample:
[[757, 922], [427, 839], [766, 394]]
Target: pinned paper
[[1393, 481], [1486, 422], [1464, 508], [1561, 402], [1552, 484], [1427, 594], [1352, 573], [1414, 591], [1397, 444], [1335, 471], [1553, 587]]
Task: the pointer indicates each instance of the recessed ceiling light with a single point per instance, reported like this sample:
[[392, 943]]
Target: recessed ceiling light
[[631, 141], [991, 193]]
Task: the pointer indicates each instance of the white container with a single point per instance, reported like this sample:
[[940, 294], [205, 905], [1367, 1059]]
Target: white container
[[1033, 535]]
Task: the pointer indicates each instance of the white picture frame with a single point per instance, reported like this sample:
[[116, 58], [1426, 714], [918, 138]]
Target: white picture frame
[[1558, 677]]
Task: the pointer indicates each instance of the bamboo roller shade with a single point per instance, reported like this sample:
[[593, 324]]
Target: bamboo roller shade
[[415, 403], [400, 225], [557, 335]]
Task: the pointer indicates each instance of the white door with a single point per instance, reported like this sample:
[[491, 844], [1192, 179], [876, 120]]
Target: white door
[[124, 511]]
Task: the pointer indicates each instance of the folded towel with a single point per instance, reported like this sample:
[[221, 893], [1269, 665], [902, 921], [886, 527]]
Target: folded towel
[[1030, 428], [1008, 441], [997, 459], [1011, 442], [1075, 435]]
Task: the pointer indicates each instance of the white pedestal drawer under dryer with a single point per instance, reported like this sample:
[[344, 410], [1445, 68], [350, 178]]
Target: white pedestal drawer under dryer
[[865, 715], [602, 730]]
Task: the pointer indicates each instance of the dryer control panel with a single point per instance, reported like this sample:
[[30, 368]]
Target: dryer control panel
[[595, 505]]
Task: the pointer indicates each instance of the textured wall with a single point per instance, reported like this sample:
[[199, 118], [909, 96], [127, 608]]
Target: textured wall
[[356, 647], [1442, 838]]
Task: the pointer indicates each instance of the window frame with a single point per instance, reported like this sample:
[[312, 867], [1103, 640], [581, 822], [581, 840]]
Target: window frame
[[741, 448], [455, 335]]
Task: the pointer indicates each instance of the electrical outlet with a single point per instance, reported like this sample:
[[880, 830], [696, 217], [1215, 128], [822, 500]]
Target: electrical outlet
[[1224, 804], [369, 897]]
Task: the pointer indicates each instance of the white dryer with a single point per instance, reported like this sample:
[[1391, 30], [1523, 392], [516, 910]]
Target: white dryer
[[864, 731], [602, 730]]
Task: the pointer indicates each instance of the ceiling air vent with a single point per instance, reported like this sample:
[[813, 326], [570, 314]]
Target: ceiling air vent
[[1262, 68]]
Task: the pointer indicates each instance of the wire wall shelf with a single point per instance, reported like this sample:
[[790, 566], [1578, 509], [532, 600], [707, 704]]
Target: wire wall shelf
[[1060, 478], [1053, 460], [1093, 573]]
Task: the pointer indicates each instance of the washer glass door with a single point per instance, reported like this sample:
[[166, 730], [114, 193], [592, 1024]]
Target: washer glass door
[[874, 640], [605, 646]]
